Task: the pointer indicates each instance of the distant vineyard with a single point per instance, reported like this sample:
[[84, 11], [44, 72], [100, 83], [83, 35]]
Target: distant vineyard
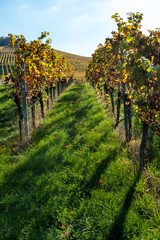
[[79, 63], [7, 60]]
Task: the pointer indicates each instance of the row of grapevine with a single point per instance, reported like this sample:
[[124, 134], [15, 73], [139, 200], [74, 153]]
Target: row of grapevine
[[38, 73], [128, 65], [7, 60]]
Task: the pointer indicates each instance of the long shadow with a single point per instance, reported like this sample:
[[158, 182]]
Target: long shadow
[[2, 89], [21, 181], [8, 111], [7, 115], [56, 123], [84, 188], [24, 168], [116, 232], [77, 116], [4, 98], [18, 188], [8, 123], [37, 167], [93, 182]]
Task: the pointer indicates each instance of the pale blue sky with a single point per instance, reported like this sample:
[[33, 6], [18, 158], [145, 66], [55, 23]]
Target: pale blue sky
[[75, 26]]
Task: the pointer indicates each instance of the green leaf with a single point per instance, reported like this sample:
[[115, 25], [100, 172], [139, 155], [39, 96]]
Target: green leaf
[[149, 69], [130, 39]]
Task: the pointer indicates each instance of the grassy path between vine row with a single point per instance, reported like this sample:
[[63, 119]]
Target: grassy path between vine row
[[76, 180]]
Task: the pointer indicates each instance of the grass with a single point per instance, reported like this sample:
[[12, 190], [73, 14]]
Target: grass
[[7, 113], [76, 180], [8, 116]]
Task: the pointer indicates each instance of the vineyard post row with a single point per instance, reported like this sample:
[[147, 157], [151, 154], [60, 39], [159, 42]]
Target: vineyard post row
[[25, 109], [129, 63], [38, 72], [124, 99]]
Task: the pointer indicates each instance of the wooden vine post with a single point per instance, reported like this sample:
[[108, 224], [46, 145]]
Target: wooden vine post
[[143, 144], [124, 98], [25, 109]]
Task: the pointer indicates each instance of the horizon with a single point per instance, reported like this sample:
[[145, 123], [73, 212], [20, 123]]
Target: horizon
[[75, 26]]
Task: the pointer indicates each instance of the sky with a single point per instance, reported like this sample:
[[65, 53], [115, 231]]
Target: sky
[[75, 26]]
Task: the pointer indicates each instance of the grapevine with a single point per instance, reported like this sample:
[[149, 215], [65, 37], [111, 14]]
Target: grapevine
[[129, 64], [44, 70]]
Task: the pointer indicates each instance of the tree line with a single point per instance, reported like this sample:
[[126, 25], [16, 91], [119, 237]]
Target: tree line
[[4, 41]]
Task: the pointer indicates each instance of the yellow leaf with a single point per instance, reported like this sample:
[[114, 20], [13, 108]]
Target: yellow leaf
[[118, 56], [67, 146]]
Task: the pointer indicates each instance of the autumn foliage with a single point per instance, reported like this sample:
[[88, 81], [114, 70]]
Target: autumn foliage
[[129, 64], [42, 70]]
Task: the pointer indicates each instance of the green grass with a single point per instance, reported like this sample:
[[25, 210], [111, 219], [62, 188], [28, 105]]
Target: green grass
[[8, 128], [76, 180], [8, 114]]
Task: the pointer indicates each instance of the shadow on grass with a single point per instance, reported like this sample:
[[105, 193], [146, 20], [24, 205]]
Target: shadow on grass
[[67, 102], [8, 120], [23, 198], [7, 115], [94, 181], [37, 163], [4, 98], [22, 201], [116, 232], [2, 89]]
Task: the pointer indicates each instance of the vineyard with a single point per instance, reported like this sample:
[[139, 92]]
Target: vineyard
[[80, 159], [76, 179], [127, 67], [7, 60], [79, 64]]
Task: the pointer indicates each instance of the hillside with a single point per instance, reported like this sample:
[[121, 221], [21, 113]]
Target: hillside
[[7, 59], [73, 56], [79, 63]]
